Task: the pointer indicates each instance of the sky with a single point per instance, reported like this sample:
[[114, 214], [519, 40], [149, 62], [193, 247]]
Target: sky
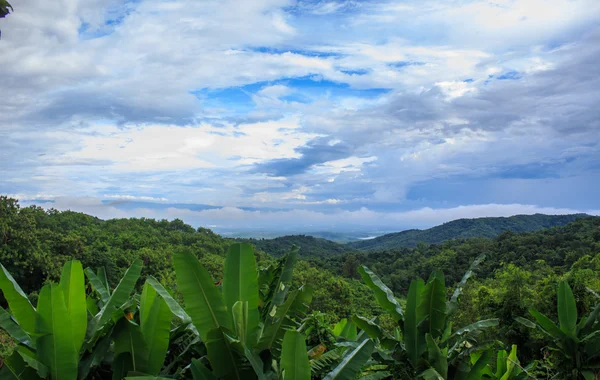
[[302, 114]]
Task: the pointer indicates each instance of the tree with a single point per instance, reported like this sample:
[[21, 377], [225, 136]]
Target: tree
[[4, 8]]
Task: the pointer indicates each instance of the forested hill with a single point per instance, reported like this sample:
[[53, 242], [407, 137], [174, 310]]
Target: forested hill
[[555, 249], [465, 228], [308, 246], [36, 242]]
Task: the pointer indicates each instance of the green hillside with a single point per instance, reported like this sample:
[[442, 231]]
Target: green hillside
[[465, 228], [557, 247], [35, 242], [517, 272]]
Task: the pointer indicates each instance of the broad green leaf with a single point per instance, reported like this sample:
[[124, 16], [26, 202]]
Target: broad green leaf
[[349, 331], [437, 359], [15, 368], [91, 306], [588, 322], [294, 359], [433, 305], [102, 276], [274, 329], [118, 297], [588, 375], [12, 327], [96, 357], [453, 304], [501, 363], [352, 362], [380, 375], [204, 302], [372, 329], [176, 309], [200, 372], [98, 285], [525, 322], [256, 363], [431, 374], [591, 336], [20, 307], [121, 365], [240, 320], [155, 325], [73, 286], [55, 346], [383, 294], [547, 325], [32, 360], [414, 341], [285, 278], [510, 363], [240, 283], [567, 310], [339, 327], [129, 348], [480, 366], [224, 359], [483, 324]]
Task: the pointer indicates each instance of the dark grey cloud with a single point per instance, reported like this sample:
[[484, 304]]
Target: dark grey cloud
[[315, 152]]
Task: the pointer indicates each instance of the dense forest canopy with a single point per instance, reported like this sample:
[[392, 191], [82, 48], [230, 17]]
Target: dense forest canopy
[[515, 272], [465, 228]]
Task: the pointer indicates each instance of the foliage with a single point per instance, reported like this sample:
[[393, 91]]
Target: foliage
[[4, 8], [308, 246], [253, 326], [34, 244], [463, 229], [425, 343], [557, 249], [576, 344], [240, 304]]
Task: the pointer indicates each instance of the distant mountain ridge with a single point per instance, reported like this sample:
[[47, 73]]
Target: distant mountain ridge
[[488, 227]]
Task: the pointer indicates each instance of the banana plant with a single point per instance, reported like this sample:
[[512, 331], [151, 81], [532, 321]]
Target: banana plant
[[245, 326], [425, 341], [348, 358], [252, 327], [508, 367], [578, 344], [67, 334]]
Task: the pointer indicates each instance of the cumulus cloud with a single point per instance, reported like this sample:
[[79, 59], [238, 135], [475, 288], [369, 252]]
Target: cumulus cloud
[[302, 106]]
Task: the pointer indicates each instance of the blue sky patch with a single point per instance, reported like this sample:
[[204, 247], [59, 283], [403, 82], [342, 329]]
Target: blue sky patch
[[510, 75]]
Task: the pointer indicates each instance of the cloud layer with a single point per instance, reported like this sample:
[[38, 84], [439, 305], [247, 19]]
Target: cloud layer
[[303, 113]]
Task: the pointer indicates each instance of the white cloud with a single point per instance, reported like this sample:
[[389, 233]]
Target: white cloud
[[187, 101], [302, 220], [165, 147], [134, 197]]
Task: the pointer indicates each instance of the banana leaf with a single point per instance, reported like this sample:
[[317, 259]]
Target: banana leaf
[[55, 345], [72, 284], [352, 362], [20, 307], [155, 326], [383, 294], [8, 324], [294, 359], [204, 302], [567, 310], [240, 284], [119, 297]]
